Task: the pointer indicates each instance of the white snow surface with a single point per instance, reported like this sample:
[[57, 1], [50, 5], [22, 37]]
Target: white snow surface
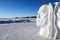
[[20, 31]]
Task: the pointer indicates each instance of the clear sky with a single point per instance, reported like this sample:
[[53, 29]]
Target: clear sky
[[18, 8]]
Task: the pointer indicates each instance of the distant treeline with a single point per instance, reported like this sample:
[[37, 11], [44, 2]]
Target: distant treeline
[[30, 17]]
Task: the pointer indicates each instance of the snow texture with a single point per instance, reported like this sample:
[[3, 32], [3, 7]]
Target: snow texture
[[48, 20]]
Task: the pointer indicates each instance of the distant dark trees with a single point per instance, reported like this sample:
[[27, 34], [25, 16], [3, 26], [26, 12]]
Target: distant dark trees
[[30, 17], [33, 17], [16, 17]]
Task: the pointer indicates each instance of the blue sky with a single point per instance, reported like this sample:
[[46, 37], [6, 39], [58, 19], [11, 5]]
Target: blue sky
[[18, 8]]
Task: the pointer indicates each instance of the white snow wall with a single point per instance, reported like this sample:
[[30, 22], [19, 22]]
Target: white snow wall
[[48, 20]]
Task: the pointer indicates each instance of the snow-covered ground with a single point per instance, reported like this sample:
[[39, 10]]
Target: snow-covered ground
[[20, 31]]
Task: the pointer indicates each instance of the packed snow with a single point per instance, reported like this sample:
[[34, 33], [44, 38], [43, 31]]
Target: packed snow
[[20, 31]]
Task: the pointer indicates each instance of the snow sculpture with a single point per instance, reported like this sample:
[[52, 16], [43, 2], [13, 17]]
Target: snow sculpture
[[47, 20]]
